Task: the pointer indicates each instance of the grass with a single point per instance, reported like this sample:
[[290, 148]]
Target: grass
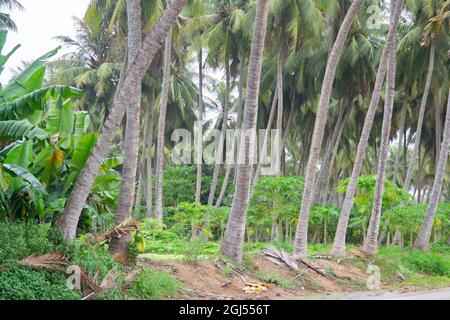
[[153, 285]]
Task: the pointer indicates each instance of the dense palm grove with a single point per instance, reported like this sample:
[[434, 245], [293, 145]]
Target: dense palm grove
[[359, 90]]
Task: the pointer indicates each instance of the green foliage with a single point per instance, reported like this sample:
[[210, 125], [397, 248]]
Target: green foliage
[[21, 283], [428, 263], [20, 240], [154, 285], [274, 199]]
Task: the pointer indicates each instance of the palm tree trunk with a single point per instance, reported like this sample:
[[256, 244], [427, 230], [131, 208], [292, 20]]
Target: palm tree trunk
[[423, 238], [232, 244], [162, 128], [198, 186], [149, 147], [339, 240], [400, 138], [266, 137], [333, 157], [421, 117], [437, 105], [279, 126], [371, 245], [131, 141], [325, 168], [220, 147], [239, 111], [301, 235], [136, 72]]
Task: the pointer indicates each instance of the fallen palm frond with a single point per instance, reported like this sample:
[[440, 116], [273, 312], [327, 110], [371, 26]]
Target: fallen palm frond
[[50, 261], [58, 262], [124, 228], [281, 258]]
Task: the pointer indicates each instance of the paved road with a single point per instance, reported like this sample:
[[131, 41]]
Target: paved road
[[443, 294]]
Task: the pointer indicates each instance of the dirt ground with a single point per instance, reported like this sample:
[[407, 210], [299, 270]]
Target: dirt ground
[[208, 279]]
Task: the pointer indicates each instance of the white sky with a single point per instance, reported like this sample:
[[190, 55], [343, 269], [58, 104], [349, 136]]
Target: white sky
[[41, 21]]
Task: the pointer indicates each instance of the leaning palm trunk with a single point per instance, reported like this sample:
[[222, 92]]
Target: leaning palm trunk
[[232, 244], [423, 238], [423, 105], [131, 141], [371, 244], [148, 169], [334, 153], [437, 105], [325, 167], [220, 146], [301, 235], [162, 128], [339, 240], [279, 125], [136, 72], [198, 185], [400, 139], [233, 145], [266, 138]]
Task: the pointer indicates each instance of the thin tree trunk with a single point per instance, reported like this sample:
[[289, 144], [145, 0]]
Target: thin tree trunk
[[162, 128], [136, 72], [423, 238], [399, 146], [220, 147], [421, 117], [266, 137], [279, 125], [149, 147], [239, 112], [334, 153], [131, 141], [232, 245], [229, 166], [301, 244], [437, 104], [371, 245], [198, 186], [339, 240]]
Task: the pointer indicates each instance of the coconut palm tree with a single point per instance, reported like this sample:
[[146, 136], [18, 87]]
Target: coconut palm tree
[[136, 72], [423, 238], [301, 235], [339, 240], [436, 27], [232, 244], [6, 23], [371, 244], [131, 140]]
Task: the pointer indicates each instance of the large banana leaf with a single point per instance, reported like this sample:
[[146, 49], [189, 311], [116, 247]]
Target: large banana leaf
[[60, 118], [25, 175], [25, 106], [82, 123], [4, 58], [83, 150], [29, 79], [47, 164], [21, 155], [16, 130]]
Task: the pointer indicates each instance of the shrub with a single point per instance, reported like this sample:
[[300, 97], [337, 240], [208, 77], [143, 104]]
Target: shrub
[[429, 263], [20, 240], [153, 285], [21, 283]]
